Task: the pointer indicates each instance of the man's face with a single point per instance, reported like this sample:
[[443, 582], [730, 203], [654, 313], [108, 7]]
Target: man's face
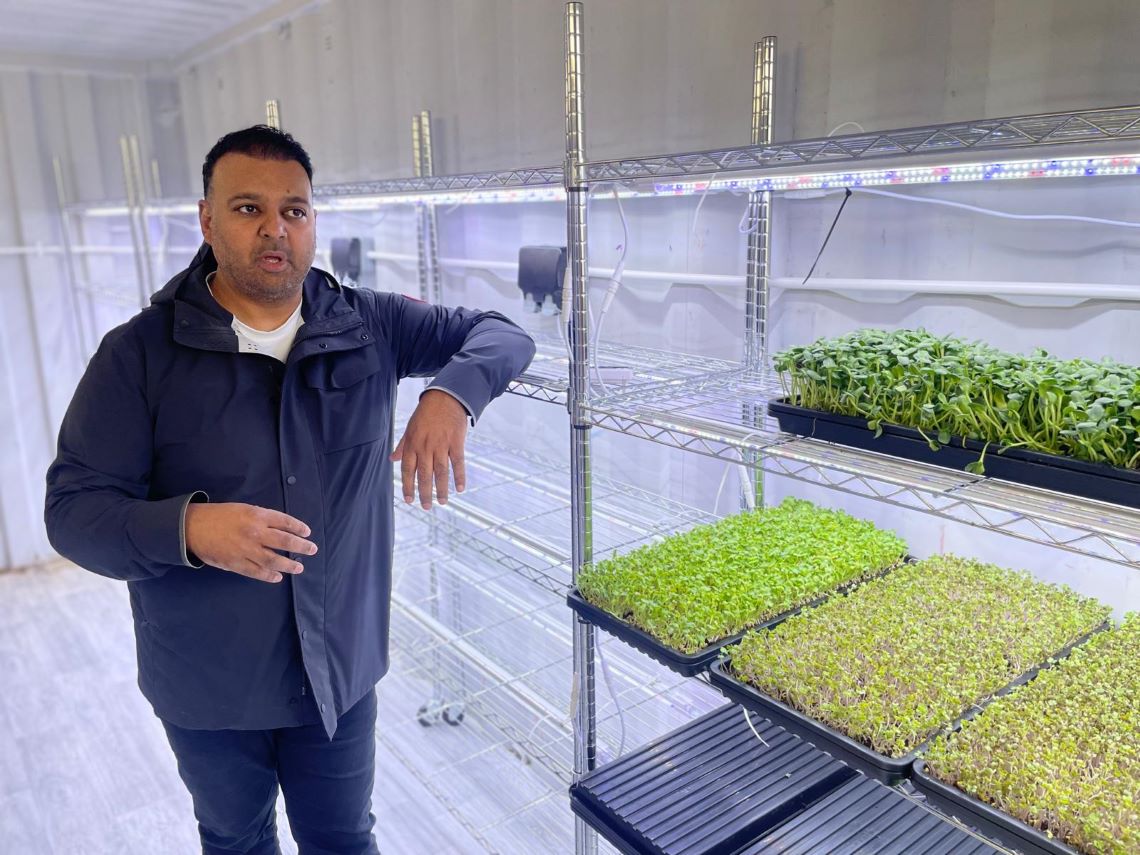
[[260, 222]]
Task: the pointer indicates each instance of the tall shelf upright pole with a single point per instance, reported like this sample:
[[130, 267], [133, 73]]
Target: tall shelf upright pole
[[144, 223], [69, 262], [132, 222], [421, 224], [585, 712], [759, 248], [427, 167]]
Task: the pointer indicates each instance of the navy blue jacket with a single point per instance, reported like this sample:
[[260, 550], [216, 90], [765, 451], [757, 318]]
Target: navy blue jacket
[[169, 411]]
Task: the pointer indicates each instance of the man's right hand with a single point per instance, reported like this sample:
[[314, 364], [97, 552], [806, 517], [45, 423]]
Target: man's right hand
[[242, 538]]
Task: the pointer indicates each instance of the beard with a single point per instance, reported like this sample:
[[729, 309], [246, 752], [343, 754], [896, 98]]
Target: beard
[[259, 285]]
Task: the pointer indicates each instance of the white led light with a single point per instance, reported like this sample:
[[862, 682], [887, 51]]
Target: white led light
[[108, 211], [479, 196], [1069, 167]]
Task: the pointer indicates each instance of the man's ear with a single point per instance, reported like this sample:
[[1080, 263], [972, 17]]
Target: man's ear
[[205, 219]]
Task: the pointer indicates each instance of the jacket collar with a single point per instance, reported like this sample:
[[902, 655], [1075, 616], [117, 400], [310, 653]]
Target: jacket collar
[[201, 322]]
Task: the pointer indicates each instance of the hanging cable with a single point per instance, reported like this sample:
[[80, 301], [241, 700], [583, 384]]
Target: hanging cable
[[834, 223], [697, 215], [990, 212], [752, 727], [619, 270], [842, 125], [617, 704]]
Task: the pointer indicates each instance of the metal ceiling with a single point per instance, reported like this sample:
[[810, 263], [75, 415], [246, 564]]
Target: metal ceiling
[[119, 30]]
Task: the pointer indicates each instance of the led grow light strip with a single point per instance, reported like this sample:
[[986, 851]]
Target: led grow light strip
[[483, 196], [123, 210], [1061, 167]]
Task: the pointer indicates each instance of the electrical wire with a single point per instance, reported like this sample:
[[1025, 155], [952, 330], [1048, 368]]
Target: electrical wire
[[619, 270], [990, 212], [720, 489], [834, 223], [697, 215], [745, 481], [751, 227], [842, 125], [752, 727], [611, 292], [610, 687]]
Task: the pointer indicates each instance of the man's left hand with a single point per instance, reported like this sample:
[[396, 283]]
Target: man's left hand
[[434, 436]]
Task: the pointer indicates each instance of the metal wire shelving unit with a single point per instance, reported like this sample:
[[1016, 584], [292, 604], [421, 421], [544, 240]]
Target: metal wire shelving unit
[[1074, 128], [458, 610], [721, 412], [497, 654]]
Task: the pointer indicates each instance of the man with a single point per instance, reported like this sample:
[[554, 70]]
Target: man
[[227, 453]]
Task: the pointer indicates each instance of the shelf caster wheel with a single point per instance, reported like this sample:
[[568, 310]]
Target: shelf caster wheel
[[453, 714], [428, 714]]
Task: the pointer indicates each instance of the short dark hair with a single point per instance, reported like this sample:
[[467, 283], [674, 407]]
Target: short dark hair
[[257, 141]]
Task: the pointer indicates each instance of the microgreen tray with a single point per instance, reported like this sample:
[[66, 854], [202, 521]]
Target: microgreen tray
[[888, 770], [690, 664], [986, 819], [1035, 469]]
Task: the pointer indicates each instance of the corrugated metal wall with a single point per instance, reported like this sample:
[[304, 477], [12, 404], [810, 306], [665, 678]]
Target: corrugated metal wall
[[662, 75]]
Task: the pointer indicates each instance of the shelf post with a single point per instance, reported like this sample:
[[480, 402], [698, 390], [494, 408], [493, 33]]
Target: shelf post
[[582, 700], [144, 222], [427, 167], [69, 259], [129, 184], [759, 250], [421, 226]]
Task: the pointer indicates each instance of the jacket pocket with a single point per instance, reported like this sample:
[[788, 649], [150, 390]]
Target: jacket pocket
[[352, 397]]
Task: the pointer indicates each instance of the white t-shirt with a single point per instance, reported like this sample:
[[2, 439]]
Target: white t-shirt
[[276, 343]]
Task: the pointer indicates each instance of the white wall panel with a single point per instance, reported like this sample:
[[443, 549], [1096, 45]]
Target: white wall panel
[[668, 75]]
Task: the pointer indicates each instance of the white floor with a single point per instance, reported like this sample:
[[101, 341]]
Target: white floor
[[85, 768]]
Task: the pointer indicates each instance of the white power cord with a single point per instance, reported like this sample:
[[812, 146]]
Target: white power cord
[[565, 317], [752, 727], [617, 704], [697, 215], [989, 212], [745, 481], [992, 213], [751, 227], [615, 279], [842, 125], [720, 489]]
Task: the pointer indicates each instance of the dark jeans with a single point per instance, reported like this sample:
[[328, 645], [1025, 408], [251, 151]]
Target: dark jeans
[[233, 777]]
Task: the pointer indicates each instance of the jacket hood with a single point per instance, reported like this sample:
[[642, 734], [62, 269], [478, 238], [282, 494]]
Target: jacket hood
[[201, 266]]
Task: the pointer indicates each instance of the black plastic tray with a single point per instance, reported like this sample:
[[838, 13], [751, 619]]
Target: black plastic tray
[[691, 664], [686, 664], [707, 788], [865, 818], [888, 770], [987, 819], [1048, 471]]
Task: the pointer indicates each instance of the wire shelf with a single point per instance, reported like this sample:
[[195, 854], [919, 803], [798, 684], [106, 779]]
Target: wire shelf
[[477, 613], [719, 414], [456, 625], [724, 416], [1019, 132], [517, 514], [547, 377], [537, 176]]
